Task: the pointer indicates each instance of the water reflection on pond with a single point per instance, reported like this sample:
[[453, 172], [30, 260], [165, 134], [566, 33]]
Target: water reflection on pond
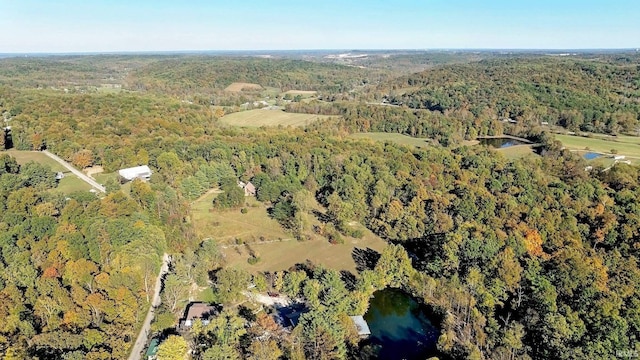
[[501, 142], [400, 327]]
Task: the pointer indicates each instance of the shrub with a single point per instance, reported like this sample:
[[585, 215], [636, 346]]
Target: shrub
[[253, 260], [244, 210]]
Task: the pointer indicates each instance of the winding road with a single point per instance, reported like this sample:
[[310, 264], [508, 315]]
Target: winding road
[[76, 172], [141, 341]]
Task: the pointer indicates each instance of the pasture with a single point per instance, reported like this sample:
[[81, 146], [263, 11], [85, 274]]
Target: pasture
[[517, 151], [241, 86], [265, 117], [394, 138]]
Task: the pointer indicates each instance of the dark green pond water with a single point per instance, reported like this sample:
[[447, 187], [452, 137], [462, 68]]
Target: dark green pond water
[[500, 143], [400, 326]]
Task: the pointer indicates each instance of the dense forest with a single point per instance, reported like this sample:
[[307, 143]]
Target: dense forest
[[519, 258], [594, 95]]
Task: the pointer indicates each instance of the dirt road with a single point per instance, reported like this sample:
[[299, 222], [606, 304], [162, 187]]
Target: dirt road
[[141, 341], [76, 172]]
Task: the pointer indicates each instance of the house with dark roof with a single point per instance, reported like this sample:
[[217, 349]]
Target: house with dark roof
[[196, 311]]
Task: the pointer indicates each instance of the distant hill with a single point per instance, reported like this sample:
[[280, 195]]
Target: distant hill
[[597, 93]]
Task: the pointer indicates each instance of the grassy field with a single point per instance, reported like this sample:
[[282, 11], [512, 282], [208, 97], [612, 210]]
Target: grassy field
[[518, 151], [23, 157], [276, 248], [72, 183], [624, 145], [239, 86], [393, 137], [259, 117], [226, 226], [69, 184]]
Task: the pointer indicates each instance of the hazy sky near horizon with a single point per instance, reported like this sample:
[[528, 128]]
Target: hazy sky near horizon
[[163, 25]]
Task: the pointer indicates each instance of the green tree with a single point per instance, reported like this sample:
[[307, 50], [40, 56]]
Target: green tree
[[173, 348]]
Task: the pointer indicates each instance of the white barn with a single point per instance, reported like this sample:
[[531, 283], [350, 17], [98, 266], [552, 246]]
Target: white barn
[[139, 172]]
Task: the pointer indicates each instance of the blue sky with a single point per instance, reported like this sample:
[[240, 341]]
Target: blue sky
[[162, 25]]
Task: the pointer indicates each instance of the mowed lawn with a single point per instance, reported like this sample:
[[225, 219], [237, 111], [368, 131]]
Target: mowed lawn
[[276, 248], [624, 145], [393, 137], [263, 117], [69, 184], [239, 86], [23, 157]]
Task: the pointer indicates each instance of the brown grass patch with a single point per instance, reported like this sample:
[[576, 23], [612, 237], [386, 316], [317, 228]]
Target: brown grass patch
[[241, 86]]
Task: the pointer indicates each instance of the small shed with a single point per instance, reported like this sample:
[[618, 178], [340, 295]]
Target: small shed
[[59, 175], [361, 325], [139, 172]]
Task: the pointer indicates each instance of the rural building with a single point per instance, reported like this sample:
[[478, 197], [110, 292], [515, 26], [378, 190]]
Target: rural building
[[361, 325], [249, 188], [59, 175], [139, 172], [197, 311], [618, 157]]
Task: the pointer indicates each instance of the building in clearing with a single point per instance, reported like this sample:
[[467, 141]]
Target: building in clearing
[[139, 172], [196, 311], [361, 325]]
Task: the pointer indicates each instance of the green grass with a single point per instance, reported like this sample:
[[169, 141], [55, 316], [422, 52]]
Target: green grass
[[393, 137], [624, 145], [263, 235], [23, 157], [71, 183], [225, 226], [259, 117], [518, 151]]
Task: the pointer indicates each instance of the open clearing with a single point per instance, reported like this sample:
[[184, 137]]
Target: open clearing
[[517, 151], [263, 117], [23, 157], [240, 86], [393, 137], [276, 248], [624, 145], [303, 93], [225, 226], [69, 184]]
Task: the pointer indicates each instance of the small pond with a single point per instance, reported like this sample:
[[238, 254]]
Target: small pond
[[591, 156], [501, 142], [400, 327]]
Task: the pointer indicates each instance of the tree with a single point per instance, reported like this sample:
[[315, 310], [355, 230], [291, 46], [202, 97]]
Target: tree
[[176, 291], [264, 350], [173, 348], [230, 282], [82, 158]]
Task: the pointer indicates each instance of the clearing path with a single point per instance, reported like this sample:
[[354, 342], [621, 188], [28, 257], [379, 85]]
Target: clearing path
[[141, 341], [76, 172]]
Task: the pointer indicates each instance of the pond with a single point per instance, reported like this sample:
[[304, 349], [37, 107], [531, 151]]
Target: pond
[[501, 142], [400, 327], [591, 156]]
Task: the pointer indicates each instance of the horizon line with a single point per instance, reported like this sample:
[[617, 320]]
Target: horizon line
[[131, 52]]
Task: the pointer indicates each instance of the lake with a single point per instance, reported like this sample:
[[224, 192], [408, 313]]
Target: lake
[[501, 142], [400, 327]]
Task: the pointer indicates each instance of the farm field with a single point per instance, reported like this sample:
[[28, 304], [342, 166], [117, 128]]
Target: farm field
[[624, 145], [393, 137], [268, 240], [240, 86], [261, 117]]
